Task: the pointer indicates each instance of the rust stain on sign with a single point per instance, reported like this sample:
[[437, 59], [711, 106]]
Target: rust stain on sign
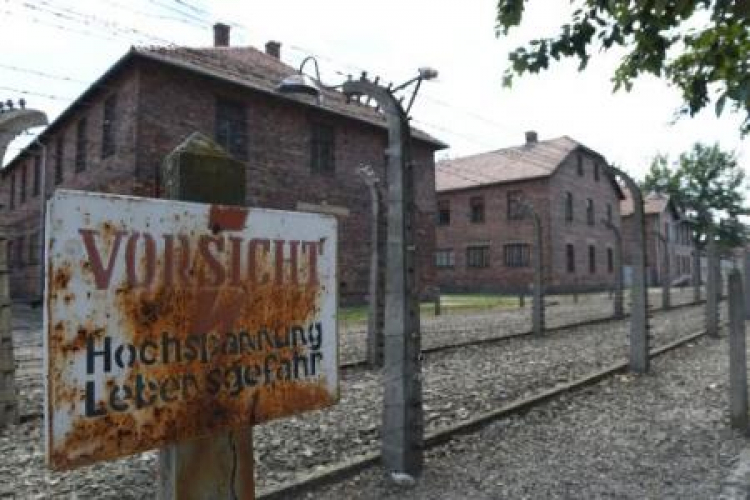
[[169, 321]]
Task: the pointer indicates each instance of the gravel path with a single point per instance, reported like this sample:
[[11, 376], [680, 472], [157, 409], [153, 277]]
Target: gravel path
[[660, 436], [457, 384]]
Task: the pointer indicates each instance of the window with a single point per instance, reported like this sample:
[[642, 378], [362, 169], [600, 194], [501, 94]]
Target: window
[[579, 164], [23, 184], [568, 207], [478, 256], [444, 213], [322, 149], [570, 258], [10, 255], [476, 209], [516, 255], [81, 145], [12, 195], [37, 174], [609, 212], [34, 248], [590, 212], [444, 258], [109, 143], [592, 259], [596, 171], [59, 151], [610, 260], [230, 130], [515, 205]]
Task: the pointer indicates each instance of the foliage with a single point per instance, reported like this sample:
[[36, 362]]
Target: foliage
[[700, 46], [706, 183]]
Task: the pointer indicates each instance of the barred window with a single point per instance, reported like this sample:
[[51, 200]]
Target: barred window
[[59, 152], [476, 209], [579, 164], [444, 258], [516, 255], [81, 145], [609, 212], [570, 258], [596, 171], [515, 205], [230, 127], [37, 174], [444, 213], [590, 212], [592, 259], [610, 260], [322, 157], [23, 183], [478, 256]]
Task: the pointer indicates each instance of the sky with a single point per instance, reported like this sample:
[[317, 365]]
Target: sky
[[59, 47]]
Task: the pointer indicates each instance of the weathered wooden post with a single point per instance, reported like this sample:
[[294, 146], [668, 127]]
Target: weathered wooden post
[[712, 292], [639, 339], [618, 288], [746, 275], [403, 413], [222, 465], [375, 294], [9, 413], [737, 353]]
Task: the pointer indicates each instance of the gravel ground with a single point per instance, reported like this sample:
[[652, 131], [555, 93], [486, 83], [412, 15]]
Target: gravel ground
[[490, 375], [661, 436]]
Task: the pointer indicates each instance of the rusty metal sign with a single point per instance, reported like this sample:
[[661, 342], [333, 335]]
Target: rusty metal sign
[[168, 320]]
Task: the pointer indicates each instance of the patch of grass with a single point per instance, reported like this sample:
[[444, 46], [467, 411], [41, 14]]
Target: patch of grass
[[449, 303]]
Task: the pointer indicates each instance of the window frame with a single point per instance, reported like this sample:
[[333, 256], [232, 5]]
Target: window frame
[[517, 255], [59, 156], [478, 256], [592, 259], [569, 207], [515, 204], [81, 145], [109, 121], [570, 258], [443, 213], [476, 209], [590, 213], [322, 148], [450, 258]]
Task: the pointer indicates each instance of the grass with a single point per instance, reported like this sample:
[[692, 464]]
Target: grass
[[449, 303]]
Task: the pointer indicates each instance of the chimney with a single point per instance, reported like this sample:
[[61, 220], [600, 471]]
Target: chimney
[[531, 138], [273, 49], [221, 35]]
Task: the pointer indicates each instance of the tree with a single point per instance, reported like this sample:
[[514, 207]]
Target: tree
[[707, 183], [700, 46]]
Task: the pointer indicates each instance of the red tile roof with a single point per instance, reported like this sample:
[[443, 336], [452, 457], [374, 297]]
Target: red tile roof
[[540, 159]]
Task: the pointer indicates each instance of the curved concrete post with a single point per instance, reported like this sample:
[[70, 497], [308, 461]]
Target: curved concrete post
[[403, 418], [14, 122], [618, 307], [746, 280], [639, 360], [696, 272], [374, 298], [537, 314], [712, 284]]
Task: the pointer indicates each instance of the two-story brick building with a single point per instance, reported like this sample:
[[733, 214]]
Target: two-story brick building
[[301, 153], [484, 242], [664, 230]]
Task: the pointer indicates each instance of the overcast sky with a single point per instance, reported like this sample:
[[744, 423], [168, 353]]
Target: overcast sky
[[72, 42]]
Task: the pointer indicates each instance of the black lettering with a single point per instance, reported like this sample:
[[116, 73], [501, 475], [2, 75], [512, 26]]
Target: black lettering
[[188, 381], [166, 343], [298, 333], [192, 345], [231, 344], [315, 334], [251, 379], [264, 337], [213, 382], [297, 360], [148, 360], [141, 386], [131, 355], [118, 403], [284, 372], [92, 353], [92, 409], [233, 379], [246, 340], [168, 388], [281, 338], [315, 356], [267, 368]]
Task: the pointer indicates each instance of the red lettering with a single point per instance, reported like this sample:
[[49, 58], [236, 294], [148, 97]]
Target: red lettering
[[102, 275], [204, 247], [149, 260]]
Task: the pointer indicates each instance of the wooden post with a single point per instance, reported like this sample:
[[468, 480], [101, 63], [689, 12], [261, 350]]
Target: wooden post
[[737, 354], [219, 466], [8, 397], [712, 292]]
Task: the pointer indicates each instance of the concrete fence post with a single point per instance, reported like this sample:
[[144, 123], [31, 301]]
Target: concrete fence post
[[639, 337], [221, 465], [537, 318], [9, 413], [618, 268], [737, 353], [696, 273], [712, 291], [438, 304], [746, 275]]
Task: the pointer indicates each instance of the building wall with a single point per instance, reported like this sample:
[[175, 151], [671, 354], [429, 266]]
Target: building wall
[[601, 191], [114, 173], [160, 107], [547, 195]]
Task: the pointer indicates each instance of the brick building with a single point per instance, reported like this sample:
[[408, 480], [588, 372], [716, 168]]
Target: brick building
[[485, 243], [663, 221], [301, 153]]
